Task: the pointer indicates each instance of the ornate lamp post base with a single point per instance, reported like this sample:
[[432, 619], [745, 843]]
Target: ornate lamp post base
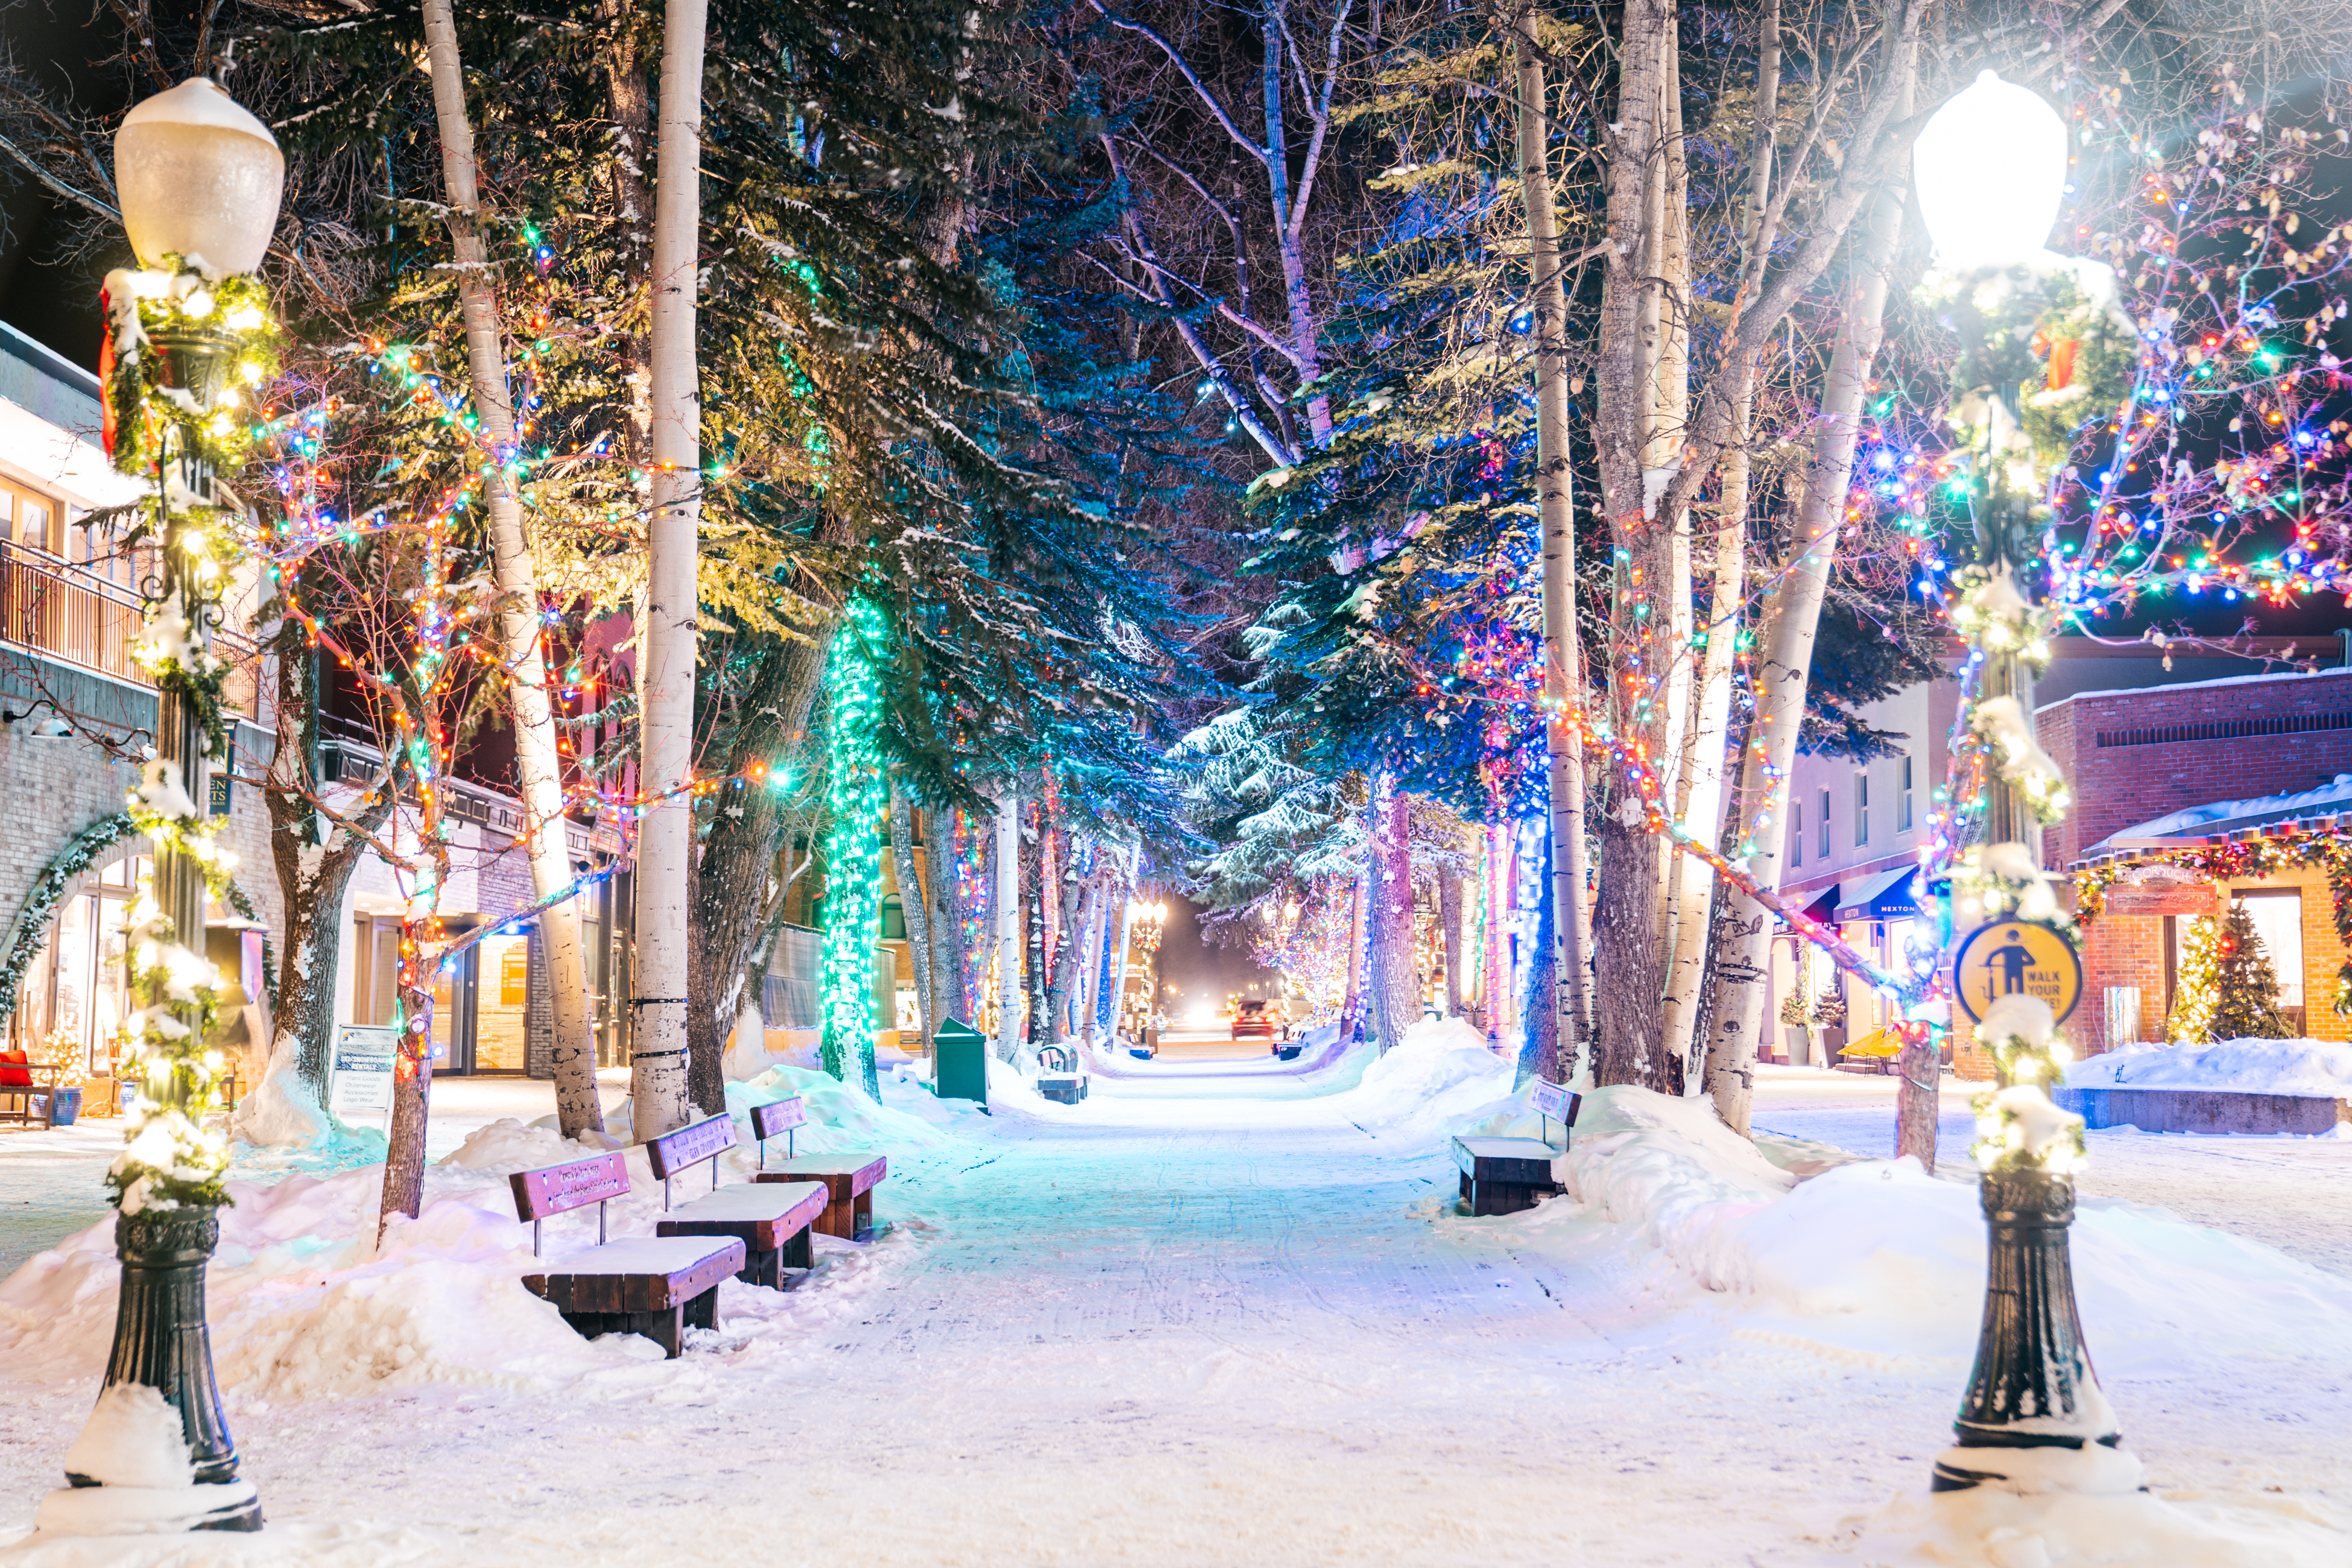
[[156, 1458], [2034, 1419]]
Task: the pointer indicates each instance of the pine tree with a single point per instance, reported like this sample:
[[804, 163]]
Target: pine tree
[[2245, 986]]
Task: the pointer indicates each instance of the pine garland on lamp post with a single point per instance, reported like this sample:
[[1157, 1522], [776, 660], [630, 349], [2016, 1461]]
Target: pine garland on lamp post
[[190, 334], [1990, 169]]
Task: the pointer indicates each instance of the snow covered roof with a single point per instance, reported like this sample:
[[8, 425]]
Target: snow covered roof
[[2218, 819], [2319, 646]]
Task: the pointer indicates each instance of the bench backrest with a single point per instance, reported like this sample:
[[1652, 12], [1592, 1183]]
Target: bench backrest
[[559, 1189], [778, 1117], [1553, 1099], [706, 1139]]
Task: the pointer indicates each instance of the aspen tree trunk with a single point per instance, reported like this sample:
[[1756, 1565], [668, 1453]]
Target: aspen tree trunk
[[913, 907], [657, 1077], [1449, 925], [1069, 949], [945, 917], [1705, 762], [1126, 937], [1008, 927], [539, 765], [1034, 894], [1627, 942], [1351, 1005], [1395, 999], [1785, 658], [1564, 683]]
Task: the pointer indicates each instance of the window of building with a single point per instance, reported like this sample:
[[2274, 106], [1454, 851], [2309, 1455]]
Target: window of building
[[1903, 794], [1822, 841], [2277, 914], [1796, 833], [30, 519], [1861, 808]]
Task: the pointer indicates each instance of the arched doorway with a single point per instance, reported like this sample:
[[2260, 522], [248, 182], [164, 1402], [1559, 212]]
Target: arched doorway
[[77, 981]]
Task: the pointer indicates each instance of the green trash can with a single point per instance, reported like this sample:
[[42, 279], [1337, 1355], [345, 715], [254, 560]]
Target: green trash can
[[962, 1062]]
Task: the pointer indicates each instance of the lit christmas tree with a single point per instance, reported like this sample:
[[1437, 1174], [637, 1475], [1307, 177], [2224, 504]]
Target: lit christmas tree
[[2245, 989], [2198, 991]]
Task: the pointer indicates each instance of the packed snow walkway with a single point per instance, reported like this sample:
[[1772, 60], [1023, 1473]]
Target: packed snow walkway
[[1222, 1328]]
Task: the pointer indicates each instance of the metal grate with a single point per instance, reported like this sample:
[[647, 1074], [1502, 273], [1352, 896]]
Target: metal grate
[[2224, 730]]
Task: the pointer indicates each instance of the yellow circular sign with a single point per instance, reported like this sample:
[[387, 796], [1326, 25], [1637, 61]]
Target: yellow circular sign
[[2010, 958]]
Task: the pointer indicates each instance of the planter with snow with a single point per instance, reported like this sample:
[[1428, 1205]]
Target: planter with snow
[[2235, 1085]]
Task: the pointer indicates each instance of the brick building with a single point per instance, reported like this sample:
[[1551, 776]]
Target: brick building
[[2157, 759]]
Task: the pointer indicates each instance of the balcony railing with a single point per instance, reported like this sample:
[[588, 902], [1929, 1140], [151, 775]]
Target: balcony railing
[[71, 613]]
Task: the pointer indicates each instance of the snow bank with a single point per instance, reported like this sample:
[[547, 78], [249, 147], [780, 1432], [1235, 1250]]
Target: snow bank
[[1441, 1072], [1874, 1259], [2320, 1068], [840, 1119], [1990, 1529], [304, 1305], [839, 1116]]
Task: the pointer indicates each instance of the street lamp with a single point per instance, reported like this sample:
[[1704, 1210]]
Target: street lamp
[[1990, 171], [189, 333]]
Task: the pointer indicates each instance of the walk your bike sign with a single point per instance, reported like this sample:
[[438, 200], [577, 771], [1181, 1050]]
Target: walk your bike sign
[[2010, 958]]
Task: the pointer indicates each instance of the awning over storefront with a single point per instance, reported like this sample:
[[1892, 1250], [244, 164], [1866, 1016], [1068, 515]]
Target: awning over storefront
[[1885, 896], [1819, 906]]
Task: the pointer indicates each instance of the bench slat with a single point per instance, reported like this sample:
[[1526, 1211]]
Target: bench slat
[[763, 1217], [574, 1184], [778, 1117], [674, 1152], [644, 1274]]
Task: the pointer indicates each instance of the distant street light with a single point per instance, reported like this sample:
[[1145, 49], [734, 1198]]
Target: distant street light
[[200, 181]]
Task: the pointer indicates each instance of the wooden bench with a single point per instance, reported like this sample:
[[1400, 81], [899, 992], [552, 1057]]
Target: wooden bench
[[653, 1285], [1066, 1085], [849, 1179], [1505, 1175], [771, 1222]]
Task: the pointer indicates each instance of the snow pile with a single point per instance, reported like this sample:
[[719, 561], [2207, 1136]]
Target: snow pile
[[507, 1145], [839, 1117], [304, 1305], [1674, 1174], [134, 1439], [1875, 1262], [1440, 1070], [1990, 1529], [2317, 1068]]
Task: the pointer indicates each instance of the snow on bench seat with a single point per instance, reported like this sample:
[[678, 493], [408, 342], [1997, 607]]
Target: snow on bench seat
[[772, 1220]]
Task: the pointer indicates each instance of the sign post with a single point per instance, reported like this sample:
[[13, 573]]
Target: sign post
[[2017, 958], [362, 1079]]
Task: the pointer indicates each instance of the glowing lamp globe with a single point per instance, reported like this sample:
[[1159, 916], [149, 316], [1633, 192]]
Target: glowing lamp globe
[[199, 177], [1990, 171]]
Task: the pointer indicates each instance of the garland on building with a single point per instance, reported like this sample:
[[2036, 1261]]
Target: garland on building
[[31, 932], [856, 799], [2290, 849]]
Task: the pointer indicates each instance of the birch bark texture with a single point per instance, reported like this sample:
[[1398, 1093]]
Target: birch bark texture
[[1008, 926], [1396, 1003], [657, 1069], [1791, 623], [1564, 685], [539, 765], [914, 909]]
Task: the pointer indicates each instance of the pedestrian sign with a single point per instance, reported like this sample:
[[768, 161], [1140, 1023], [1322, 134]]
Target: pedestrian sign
[[2017, 958]]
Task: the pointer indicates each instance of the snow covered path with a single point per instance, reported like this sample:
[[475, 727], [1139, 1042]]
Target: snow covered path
[[1186, 1331]]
